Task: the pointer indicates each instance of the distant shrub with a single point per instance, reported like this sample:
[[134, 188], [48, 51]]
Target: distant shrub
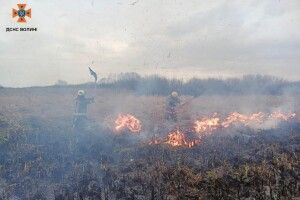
[[61, 83], [158, 85]]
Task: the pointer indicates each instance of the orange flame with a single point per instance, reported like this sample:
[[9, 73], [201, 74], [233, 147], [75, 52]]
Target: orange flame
[[281, 116], [177, 138], [128, 122], [236, 117], [207, 125]]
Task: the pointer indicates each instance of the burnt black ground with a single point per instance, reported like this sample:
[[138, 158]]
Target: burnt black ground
[[41, 161]]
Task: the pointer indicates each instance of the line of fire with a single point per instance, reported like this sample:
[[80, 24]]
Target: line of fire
[[185, 133]]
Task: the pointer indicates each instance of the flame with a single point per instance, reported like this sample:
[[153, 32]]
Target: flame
[[203, 126], [281, 116], [155, 141], [207, 124], [128, 122], [177, 138], [236, 117]]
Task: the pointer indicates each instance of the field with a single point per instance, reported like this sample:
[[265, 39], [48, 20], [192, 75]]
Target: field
[[42, 157]]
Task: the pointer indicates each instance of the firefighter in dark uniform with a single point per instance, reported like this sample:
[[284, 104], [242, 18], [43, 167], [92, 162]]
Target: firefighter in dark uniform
[[80, 117], [172, 102]]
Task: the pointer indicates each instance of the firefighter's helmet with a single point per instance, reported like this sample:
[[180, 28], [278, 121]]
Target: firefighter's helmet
[[174, 94], [81, 93]]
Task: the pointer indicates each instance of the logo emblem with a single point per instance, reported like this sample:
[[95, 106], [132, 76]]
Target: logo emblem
[[21, 13]]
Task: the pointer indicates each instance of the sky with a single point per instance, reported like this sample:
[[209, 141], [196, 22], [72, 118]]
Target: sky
[[173, 38]]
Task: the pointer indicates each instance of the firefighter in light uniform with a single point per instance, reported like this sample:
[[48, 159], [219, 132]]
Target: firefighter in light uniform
[[172, 102], [82, 102]]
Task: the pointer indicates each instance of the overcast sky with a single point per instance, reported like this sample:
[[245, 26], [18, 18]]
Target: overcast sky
[[176, 38]]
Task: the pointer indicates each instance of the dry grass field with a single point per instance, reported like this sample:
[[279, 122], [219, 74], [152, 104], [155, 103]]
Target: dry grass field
[[41, 158]]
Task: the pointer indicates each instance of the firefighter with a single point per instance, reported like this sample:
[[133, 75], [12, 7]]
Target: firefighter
[[172, 102], [81, 109]]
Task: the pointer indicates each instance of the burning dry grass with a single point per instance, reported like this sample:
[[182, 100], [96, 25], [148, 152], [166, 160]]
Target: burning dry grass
[[76, 166], [178, 139], [127, 122], [202, 127], [147, 112], [209, 124]]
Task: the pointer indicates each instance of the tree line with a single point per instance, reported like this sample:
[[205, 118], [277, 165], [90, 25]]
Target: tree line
[[159, 85]]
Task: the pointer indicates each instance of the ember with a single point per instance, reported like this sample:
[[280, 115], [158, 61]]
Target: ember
[[128, 122], [155, 141]]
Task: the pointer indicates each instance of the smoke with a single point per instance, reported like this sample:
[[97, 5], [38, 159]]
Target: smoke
[[142, 98], [56, 156]]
